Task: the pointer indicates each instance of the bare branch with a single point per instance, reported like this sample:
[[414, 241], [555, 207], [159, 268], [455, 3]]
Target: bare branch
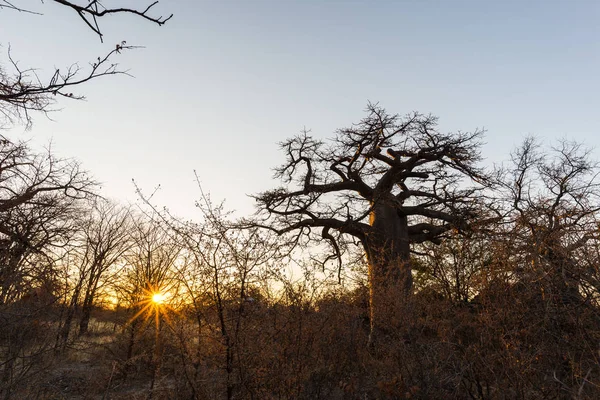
[[95, 9]]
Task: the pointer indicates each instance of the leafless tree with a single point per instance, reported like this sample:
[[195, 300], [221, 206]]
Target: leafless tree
[[549, 206], [101, 240], [388, 182], [150, 265], [107, 239], [38, 195], [41, 198], [223, 264], [456, 268], [23, 90], [236, 260], [554, 201]]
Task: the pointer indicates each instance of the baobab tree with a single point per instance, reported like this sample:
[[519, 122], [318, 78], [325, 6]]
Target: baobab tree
[[386, 182]]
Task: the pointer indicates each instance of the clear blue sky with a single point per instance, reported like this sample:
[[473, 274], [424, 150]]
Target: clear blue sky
[[224, 81]]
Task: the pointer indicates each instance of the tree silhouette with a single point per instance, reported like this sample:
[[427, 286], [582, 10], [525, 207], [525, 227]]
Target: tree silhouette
[[388, 181]]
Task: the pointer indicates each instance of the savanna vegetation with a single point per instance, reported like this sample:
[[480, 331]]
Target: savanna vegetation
[[495, 297], [388, 263]]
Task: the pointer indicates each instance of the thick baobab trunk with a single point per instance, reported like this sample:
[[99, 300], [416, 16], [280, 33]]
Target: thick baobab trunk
[[390, 278]]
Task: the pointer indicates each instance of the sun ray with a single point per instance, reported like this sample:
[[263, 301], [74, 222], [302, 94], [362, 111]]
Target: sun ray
[[154, 304], [146, 307]]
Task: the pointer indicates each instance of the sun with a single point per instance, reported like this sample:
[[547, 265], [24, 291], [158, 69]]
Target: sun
[[154, 304], [158, 298]]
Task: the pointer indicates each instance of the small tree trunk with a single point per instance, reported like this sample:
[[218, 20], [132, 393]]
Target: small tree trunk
[[131, 341], [86, 312], [85, 320], [63, 336], [66, 328], [390, 277], [88, 300]]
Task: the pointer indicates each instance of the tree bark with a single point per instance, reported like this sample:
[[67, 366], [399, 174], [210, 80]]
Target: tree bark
[[390, 278]]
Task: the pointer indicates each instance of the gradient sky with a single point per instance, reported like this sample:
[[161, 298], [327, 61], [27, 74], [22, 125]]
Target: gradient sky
[[218, 86]]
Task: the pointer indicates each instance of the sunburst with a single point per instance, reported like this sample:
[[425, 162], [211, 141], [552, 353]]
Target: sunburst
[[154, 304]]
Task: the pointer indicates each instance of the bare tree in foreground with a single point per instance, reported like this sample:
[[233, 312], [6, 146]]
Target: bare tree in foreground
[[388, 181], [23, 90], [40, 199], [35, 189]]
